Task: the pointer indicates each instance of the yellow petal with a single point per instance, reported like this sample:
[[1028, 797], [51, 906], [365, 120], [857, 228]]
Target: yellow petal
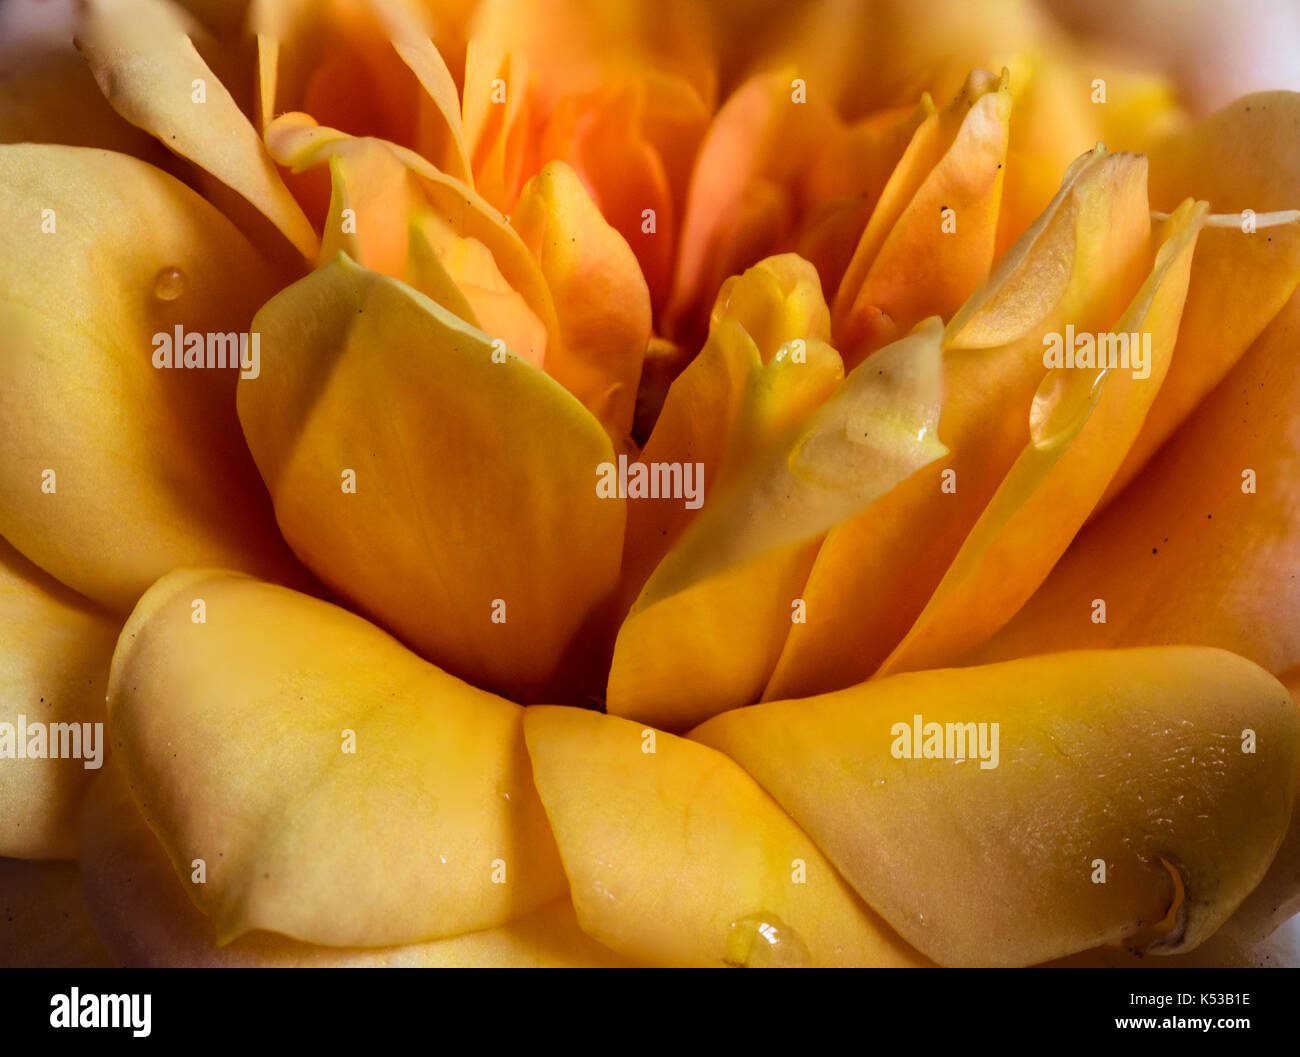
[[149, 70], [723, 599], [474, 530], [113, 472], [54, 652], [738, 395], [915, 258], [1128, 757], [1247, 156], [1082, 423], [145, 918], [1081, 263], [1204, 547], [43, 919], [338, 789], [676, 857], [601, 298]]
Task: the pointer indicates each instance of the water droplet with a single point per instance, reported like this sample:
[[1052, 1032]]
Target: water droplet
[[763, 940], [169, 284], [1064, 401]]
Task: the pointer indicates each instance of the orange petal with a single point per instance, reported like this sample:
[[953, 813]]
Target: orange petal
[[1080, 263], [1247, 156], [744, 191], [915, 259], [1185, 554], [1082, 422], [737, 395], [601, 299], [723, 599]]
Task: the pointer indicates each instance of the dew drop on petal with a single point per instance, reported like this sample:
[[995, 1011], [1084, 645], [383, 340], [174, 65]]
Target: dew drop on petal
[[763, 940], [169, 284]]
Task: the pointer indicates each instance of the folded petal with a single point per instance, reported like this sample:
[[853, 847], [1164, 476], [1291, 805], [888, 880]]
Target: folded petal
[[55, 648], [141, 910], [112, 471], [469, 522], [742, 391], [915, 258], [1081, 423], [388, 209], [1204, 546], [338, 789], [724, 598], [601, 299], [147, 68], [676, 857], [1081, 263], [991, 852], [1246, 157]]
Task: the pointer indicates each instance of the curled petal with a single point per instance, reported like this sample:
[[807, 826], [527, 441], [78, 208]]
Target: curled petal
[[744, 198], [1246, 157], [1082, 423], [1081, 263], [149, 70], [723, 599], [941, 204], [1127, 761], [1203, 547], [601, 299], [738, 395]]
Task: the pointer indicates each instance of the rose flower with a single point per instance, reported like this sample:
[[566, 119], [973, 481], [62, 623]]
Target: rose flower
[[643, 483]]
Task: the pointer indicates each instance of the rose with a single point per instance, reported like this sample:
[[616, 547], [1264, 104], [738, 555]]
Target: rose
[[466, 829]]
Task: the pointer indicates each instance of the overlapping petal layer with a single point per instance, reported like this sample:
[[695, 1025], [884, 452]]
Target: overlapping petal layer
[[1135, 759], [723, 599], [676, 857], [1080, 264], [140, 908], [113, 471], [141, 54], [337, 789], [1204, 547], [407, 461]]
